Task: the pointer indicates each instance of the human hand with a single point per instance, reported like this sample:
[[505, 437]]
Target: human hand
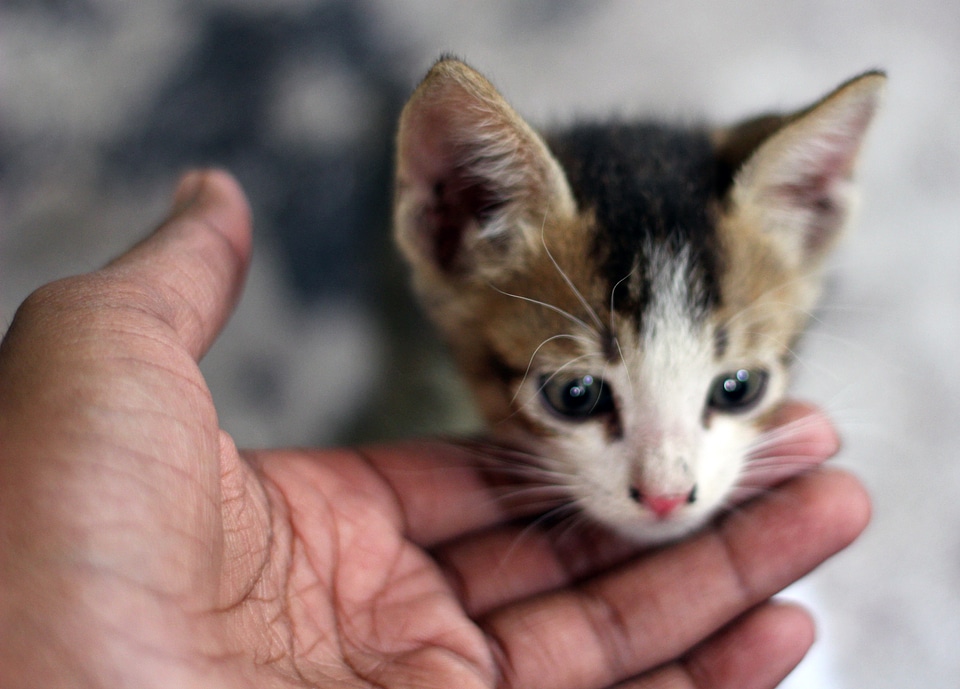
[[138, 547]]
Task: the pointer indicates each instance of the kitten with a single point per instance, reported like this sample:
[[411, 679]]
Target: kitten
[[623, 298]]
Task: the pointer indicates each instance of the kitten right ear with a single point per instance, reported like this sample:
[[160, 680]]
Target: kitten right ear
[[797, 183], [474, 183]]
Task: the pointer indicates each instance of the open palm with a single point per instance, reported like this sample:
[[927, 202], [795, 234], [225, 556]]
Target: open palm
[[140, 548]]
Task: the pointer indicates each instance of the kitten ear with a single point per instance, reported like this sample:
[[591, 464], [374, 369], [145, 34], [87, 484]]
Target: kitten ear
[[798, 181], [474, 183]]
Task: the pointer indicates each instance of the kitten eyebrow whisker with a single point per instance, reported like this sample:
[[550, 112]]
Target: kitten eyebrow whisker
[[533, 356], [547, 305], [566, 278], [613, 293]]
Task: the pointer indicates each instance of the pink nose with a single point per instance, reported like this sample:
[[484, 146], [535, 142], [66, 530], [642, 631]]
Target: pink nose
[[663, 505]]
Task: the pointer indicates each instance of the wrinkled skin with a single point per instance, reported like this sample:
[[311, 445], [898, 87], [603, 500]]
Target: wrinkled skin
[[138, 547]]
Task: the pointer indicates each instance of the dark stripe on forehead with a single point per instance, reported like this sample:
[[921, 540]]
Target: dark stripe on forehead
[[650, 186]]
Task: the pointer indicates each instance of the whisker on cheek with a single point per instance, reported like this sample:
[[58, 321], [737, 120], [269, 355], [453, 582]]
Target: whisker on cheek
[[543, 523]]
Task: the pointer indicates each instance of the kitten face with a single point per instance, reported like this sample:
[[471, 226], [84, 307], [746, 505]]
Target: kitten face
[[623, 298]]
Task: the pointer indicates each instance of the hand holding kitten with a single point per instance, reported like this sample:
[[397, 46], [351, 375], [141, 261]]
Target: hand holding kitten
[[139, 547]]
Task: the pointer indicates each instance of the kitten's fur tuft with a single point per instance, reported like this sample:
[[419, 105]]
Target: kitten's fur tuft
[[622, 297]]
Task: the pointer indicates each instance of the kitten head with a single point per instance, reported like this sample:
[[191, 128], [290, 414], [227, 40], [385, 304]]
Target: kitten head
[[623, 298]]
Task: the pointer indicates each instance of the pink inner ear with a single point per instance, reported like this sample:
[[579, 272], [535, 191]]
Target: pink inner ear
[[459, 202], [807, 171], [454, 198], [818, 196], [428, 150], [816, 181]]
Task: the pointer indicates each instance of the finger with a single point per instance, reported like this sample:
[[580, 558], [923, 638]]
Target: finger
[[516, 561], [436, 494], [441, 490], [649, 612], [756, 652], [190, 271]]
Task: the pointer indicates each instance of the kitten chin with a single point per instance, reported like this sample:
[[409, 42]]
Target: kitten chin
[[623, 298]]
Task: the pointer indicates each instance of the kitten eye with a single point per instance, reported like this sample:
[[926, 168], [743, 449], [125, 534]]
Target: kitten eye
[[737, 391], [577, 398]]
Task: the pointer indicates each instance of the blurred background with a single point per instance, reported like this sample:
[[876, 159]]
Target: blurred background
[[104, 102]]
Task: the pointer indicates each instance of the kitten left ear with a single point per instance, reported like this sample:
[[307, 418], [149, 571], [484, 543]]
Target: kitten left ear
[[798, 182], [474, 183]]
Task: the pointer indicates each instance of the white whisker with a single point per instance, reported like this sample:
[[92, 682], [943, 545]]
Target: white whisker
[[533, 356], [613, 293], [566, 278], [544, 304], [533, 526], [546, 380]]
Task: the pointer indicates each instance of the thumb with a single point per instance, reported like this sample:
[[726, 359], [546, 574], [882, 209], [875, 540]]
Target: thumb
[[193, 266]]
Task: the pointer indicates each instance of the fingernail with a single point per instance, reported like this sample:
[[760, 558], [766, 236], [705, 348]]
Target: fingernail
[[188, 189]]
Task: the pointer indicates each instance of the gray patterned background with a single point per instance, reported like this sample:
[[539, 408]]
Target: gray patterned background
[[104, 102]]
